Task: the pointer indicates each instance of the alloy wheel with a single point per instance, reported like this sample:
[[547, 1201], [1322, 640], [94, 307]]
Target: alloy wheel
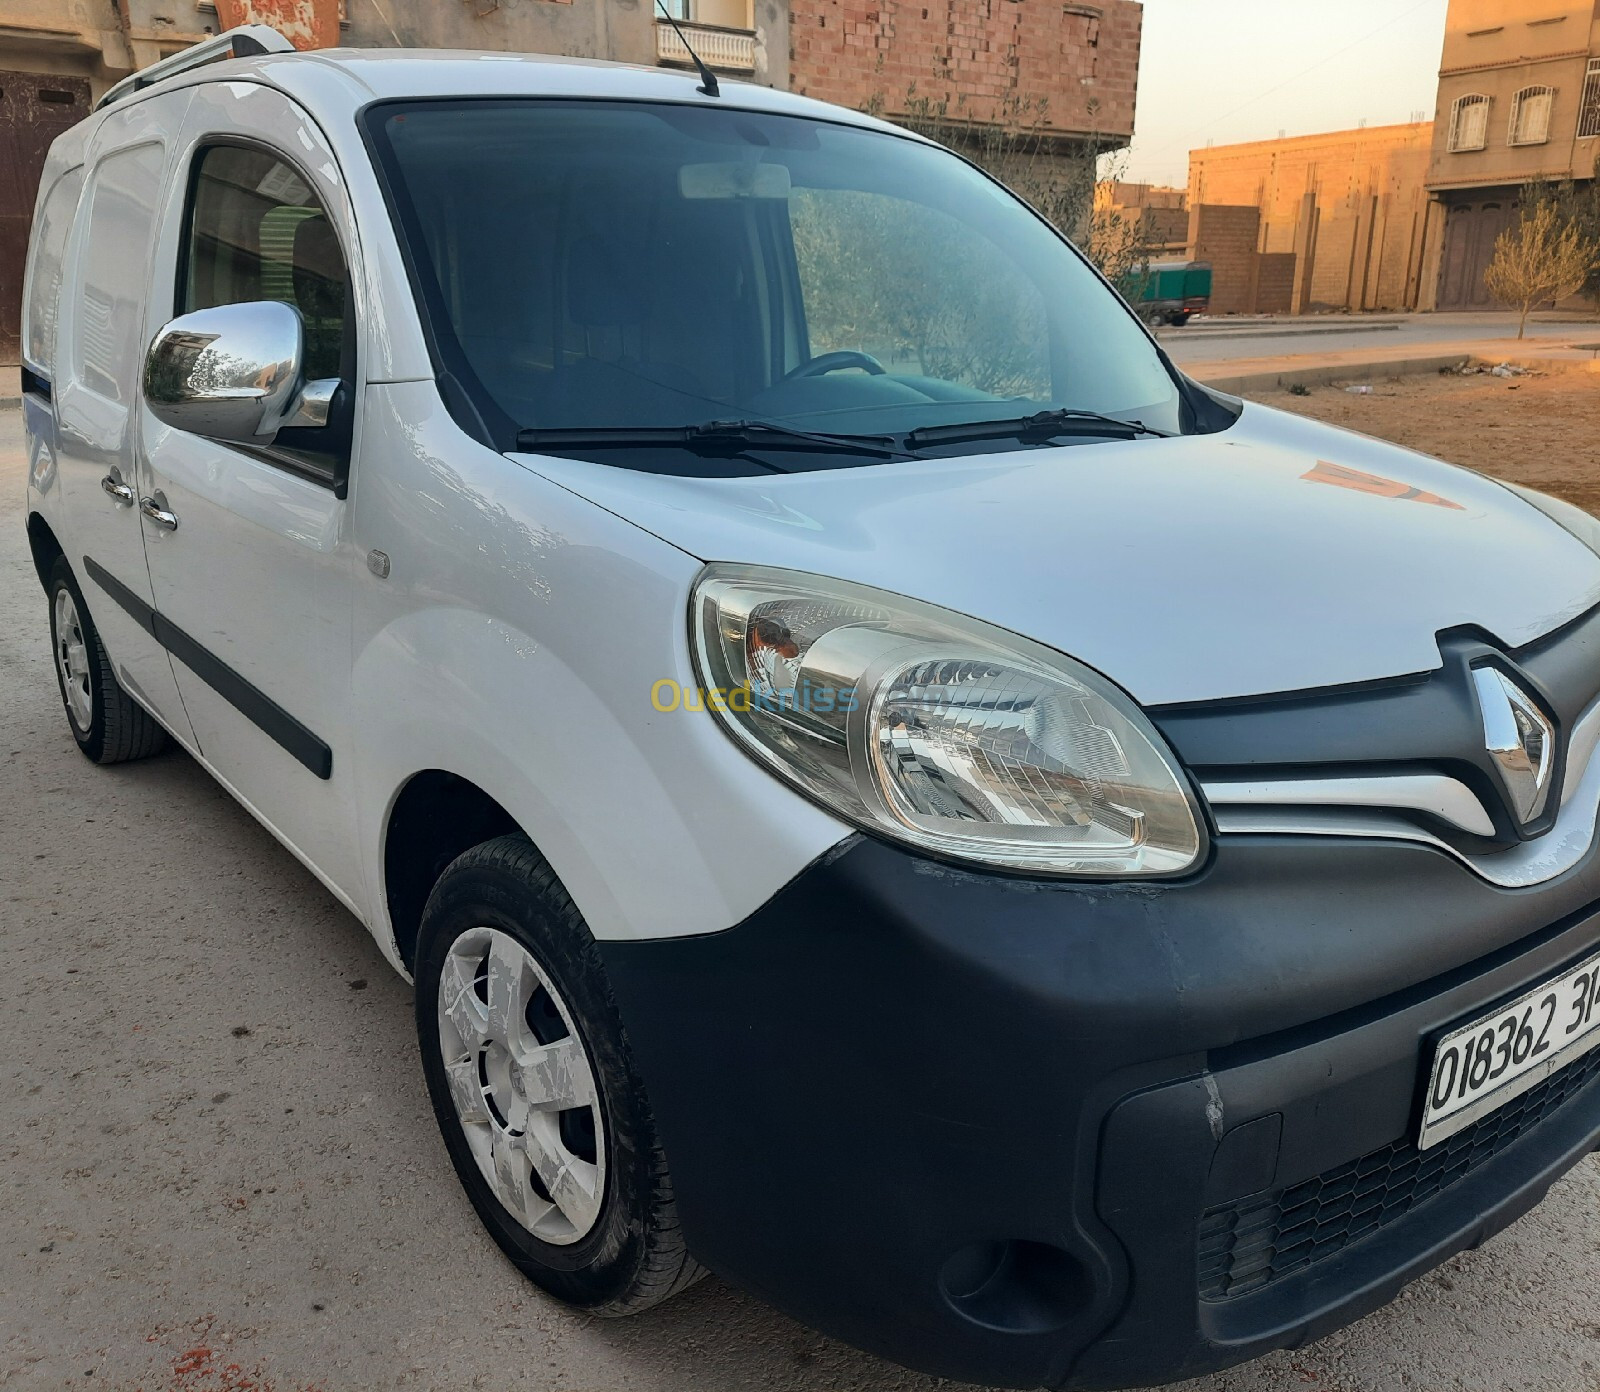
[[522, 1085], [72, 658]]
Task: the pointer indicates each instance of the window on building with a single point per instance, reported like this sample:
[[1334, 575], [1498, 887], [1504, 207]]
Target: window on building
[[1469, 123], [1530, 115], [1589, 113]]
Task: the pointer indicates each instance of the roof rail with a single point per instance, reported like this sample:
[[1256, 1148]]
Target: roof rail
[[243, 41]]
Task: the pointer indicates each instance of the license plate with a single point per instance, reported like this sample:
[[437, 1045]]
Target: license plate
[[1482, 1066]]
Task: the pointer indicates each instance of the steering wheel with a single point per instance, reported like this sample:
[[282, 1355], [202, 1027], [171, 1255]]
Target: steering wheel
[[833, 362]]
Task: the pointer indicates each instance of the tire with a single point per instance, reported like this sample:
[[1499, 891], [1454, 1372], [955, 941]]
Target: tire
[[514, 954], [1177, 320], [109, 726]]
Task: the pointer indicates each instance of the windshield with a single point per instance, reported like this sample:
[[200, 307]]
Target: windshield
[[619, 265]]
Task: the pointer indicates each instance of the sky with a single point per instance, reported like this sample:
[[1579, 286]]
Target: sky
[[1231, 70]]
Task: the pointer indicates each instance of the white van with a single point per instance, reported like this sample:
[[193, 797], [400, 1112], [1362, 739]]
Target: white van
[[886, 789]]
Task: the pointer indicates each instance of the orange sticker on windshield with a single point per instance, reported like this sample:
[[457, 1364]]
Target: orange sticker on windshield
[[1341, 477]]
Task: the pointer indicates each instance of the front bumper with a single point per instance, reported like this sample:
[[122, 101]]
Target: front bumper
[[1097, 1136]]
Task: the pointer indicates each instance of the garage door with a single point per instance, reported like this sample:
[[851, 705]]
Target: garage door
[[1470, 232], [34, 109]]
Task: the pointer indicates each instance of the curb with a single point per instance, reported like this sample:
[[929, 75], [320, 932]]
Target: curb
[[1381, 370], [1384, 368], [1214, 332]]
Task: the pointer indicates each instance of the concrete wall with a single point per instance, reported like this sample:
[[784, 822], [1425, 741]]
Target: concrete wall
[[1227, 237], [100, 41], [1275, 278], [1350, 206], [620, 29], [105, 40], [1080, 60], [1161, 213]]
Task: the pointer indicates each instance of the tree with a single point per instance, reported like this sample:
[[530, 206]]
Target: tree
[[1576, 202], [1545, 256], [1018, 147]]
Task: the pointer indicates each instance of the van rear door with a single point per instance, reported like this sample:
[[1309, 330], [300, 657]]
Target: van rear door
[[99, 355]]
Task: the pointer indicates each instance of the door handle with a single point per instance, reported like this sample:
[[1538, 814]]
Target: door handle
[[155, 508], [114, 488]]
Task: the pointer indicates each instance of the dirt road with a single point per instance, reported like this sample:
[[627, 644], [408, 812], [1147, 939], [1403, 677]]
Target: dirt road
[[1540, 431], [221, 1174]]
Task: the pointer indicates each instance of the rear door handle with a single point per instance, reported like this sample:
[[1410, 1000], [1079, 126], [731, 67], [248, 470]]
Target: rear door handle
[[115, 489], [155, 508]]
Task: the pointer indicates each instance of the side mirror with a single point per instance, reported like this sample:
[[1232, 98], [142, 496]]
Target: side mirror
[[234, 373]]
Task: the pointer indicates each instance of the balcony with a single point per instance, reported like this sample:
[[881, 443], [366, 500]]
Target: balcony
[[724, 49]]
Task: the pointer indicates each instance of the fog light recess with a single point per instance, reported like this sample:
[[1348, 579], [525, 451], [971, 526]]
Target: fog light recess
[[1023, 1287]]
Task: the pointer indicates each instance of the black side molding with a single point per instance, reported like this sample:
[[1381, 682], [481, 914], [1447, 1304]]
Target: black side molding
[[34, 384], [250, 701]]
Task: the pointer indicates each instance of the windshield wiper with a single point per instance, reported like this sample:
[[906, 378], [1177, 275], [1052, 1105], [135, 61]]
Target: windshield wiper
[[709, 437], [1043, 425]]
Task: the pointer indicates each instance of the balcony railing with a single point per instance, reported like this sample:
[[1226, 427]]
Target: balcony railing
[[727, 50]]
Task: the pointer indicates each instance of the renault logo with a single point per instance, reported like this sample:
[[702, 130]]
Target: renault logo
[[1519, 739]]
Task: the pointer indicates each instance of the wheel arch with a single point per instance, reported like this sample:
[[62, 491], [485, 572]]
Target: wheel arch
[[435, 817], [43, 546]]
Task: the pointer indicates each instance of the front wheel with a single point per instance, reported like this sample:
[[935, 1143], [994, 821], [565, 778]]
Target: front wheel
[[109, 726], [544, 1118]]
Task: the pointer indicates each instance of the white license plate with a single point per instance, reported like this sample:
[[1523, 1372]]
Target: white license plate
[[1482, 1066]]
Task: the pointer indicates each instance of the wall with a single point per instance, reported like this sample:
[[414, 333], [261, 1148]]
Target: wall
[[1227, 236], [1162, 214], [1350, 206], [56, 57], [1275, 279], [98, 41], [619, 29], [1080, 60]]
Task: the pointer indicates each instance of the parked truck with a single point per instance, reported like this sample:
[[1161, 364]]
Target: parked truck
[[1170, 292]]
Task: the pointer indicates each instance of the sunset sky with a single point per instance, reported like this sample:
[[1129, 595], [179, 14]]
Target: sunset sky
[[1228, 70]]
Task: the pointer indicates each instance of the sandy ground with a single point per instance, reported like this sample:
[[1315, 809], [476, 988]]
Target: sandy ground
[[1543, 432], [221, 1173]]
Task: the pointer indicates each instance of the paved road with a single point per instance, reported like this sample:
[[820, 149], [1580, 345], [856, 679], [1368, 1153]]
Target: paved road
[[1425, 332], [217, 1148]]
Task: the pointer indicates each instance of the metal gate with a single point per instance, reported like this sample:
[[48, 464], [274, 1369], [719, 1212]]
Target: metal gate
[[34, 109], [1470, 232]]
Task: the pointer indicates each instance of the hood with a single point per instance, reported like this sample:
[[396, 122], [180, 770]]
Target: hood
[[1280, 555]]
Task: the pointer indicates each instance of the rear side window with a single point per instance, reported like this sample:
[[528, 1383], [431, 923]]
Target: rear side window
[[116, 269], [256, 231], [44, 271]]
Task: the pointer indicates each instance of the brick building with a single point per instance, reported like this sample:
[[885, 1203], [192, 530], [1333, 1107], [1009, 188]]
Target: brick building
[[1073, 65], [1160, 213], [1078, 64], [1338, 220], [1519, 99], [58, 56]]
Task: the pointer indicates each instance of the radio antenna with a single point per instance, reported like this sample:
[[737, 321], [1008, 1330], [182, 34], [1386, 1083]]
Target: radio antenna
[[708, 79]]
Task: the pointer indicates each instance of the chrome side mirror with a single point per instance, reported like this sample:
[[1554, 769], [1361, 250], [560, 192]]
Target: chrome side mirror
[[234, 373]]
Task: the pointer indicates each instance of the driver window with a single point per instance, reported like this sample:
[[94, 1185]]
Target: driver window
[[256, 231]]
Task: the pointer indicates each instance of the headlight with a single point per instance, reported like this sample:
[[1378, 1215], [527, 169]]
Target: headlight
[[939, 731]]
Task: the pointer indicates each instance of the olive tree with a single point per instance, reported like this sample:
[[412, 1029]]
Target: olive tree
[[1576, 202], [1017, 146], [1546, 255]]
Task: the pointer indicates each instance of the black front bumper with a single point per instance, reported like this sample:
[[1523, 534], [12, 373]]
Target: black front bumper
[[1057, 1134]]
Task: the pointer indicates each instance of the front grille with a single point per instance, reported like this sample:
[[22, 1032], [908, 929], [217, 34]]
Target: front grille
[[1254, 1242]]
